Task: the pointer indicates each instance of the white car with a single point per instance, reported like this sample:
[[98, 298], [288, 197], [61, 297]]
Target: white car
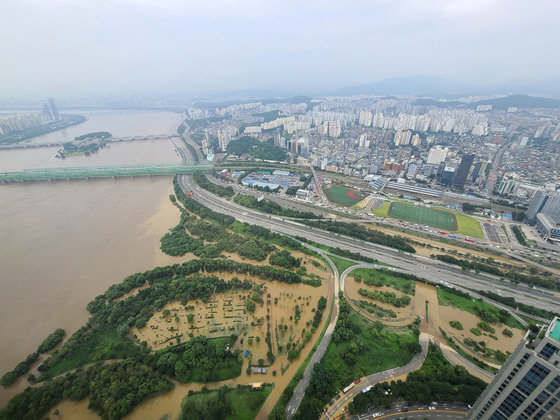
[[431, 408], [374, 415]]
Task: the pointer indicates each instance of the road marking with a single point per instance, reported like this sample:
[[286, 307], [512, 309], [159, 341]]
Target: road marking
[[422, 411]]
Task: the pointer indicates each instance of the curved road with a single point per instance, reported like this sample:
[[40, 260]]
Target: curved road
[[387, 375], [299, 392], [434, 270]]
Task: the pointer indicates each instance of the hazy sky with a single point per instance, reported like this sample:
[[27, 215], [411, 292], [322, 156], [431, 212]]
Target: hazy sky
[[55, 47]]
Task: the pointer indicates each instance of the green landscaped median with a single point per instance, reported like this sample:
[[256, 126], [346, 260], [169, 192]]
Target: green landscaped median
[[438, 218]]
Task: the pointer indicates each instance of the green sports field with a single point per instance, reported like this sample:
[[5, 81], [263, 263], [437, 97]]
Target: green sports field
[[427, 216], [344, 196], [443, 219]]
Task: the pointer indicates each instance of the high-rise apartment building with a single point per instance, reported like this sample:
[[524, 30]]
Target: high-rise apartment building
[[50, 111], [437, 155], [334, 129], [528, 384]]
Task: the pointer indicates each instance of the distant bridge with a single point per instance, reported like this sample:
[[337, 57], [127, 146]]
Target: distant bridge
[[110, 140], [114, 171]]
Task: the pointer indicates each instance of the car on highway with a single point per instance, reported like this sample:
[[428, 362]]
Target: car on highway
[[431, 408], [357, 381], [366, 389], [332, 402], [374, 415], [337, 397]]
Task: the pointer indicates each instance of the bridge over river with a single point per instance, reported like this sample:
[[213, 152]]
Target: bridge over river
[[30, 145], [113, 171]]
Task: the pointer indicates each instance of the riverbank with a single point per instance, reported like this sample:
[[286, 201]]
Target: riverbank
[[67, 120]]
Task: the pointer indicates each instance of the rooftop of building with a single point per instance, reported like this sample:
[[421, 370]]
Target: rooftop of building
[[554, 331]]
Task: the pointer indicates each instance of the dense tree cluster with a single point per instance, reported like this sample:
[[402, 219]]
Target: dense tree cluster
[[51, 341], [21, 369], [360, 232], [437, 380], [267, 206], [223, 403], [473, 265], [214, 406], [318, 316], [264, 150], [113, 390], [512, 303], [94, 135], [179, 242], [199, 360], [284, 259], [201, 180], [385, 277], [386, 297], [177, 272], [519, 235]]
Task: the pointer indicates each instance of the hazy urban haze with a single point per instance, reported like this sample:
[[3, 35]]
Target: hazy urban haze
[[136, 46]]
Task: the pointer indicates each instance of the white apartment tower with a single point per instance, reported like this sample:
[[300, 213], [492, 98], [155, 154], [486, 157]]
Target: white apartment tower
[[437, 155]]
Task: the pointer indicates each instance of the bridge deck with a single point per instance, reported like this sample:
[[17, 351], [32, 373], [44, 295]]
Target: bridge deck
[[87, 172]]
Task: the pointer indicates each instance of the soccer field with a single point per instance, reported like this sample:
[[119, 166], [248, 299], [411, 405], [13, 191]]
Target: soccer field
[[427, 216], [344, 196]]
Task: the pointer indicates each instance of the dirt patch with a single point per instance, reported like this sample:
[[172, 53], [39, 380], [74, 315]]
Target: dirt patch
[[470, 321]]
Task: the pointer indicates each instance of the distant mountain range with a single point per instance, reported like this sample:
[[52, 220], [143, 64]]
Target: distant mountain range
[[504, 102], [519, 101], [432, 86]]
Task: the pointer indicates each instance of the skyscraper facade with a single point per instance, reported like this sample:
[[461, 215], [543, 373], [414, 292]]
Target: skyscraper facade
[[463, 171], [544, 202], [528, 384]]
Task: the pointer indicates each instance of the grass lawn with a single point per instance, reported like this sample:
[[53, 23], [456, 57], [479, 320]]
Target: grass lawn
[[469, 226], [474, 306], [245, 402], [344, 196], [341, 264], [103, 345], [398, 283]]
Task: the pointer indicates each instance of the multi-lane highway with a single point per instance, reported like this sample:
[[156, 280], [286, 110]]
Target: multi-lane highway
[[433, 270]]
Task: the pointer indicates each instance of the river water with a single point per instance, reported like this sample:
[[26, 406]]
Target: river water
[[118, 123], [65, 242]]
